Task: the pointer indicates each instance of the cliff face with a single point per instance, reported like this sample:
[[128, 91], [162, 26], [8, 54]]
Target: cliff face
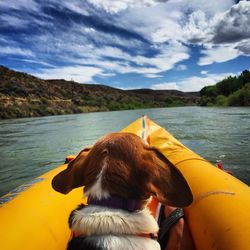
[[23, 95]]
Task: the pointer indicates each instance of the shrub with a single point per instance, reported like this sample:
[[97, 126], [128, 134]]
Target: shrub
[[210, 91], [205, 100], [221, 100], [240, 97]]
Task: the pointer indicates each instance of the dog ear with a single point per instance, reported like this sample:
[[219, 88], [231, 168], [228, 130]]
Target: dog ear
[[168, 184], [72, 176]]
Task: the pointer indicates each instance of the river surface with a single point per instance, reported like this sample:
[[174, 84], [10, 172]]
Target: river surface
[[32, 146]]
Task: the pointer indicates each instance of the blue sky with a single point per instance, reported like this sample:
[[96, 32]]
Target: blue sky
[[158, 44]]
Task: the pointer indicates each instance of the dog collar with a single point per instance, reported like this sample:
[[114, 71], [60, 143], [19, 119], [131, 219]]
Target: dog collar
[[116, 202]]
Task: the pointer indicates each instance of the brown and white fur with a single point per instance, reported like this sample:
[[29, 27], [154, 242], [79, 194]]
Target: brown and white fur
[[120, 165]]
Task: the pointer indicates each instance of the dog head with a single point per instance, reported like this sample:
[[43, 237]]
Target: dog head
[[120, 164]]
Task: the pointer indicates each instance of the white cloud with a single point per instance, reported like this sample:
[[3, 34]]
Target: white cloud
[[108, 51], [244, 47], [200, 27], [158, 23], [209, 7], [75, 6], [76, 73], [222, 25], [20, 4], [227, 35], [130, 87], [218, 54], [168, 26], [194, 83], [115, 6], [165, 86], [123, 63], [204, 72], [165, 31], [16, 51], [36, 62], [169, 55], [153, 75], [205, 24], [197, 28], [170, 20], [233, 25], [104, 75], [13, 21]]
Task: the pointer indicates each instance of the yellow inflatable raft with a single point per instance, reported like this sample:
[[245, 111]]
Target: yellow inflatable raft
[[34, 216]]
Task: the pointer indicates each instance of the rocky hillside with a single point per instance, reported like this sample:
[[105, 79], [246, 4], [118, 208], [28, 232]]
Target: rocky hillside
[[23, 95]]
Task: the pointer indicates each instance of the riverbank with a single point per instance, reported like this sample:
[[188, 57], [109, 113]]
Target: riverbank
[[23, 95]]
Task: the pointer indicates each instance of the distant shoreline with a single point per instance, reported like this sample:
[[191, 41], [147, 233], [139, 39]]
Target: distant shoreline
[[23, 95], [96, 111]]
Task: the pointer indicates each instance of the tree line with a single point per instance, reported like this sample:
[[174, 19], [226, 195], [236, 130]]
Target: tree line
[[231, 91]]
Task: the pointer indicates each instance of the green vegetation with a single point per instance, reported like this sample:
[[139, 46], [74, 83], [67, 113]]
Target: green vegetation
[[23, 95], [232, 91]]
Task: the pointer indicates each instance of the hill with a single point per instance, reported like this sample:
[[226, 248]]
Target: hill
[[231, 91], [23, 95]]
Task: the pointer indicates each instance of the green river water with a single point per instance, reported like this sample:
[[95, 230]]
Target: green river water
[[32, 146]]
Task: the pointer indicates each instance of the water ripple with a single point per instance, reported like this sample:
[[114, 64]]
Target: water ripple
[[32, 146]]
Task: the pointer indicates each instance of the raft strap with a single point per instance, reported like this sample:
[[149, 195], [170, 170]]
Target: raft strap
[[167, 224]]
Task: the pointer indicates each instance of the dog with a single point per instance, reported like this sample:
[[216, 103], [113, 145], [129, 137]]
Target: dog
[[120, 174]]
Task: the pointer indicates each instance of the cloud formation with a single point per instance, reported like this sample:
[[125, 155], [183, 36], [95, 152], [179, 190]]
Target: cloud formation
[[194, 83], [116, 6], [234, 24], [87, 40], [76, 73], [218, 54]]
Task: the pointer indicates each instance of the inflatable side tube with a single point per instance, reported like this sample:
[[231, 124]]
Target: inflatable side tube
[[219, 216]]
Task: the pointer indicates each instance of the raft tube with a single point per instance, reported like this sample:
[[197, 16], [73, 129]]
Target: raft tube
[[34, 216]]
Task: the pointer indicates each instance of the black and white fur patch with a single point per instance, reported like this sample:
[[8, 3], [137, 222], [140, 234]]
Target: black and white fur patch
[[111, 229]]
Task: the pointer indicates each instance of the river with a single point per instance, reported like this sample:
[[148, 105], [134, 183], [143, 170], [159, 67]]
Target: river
[[32, 146]]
